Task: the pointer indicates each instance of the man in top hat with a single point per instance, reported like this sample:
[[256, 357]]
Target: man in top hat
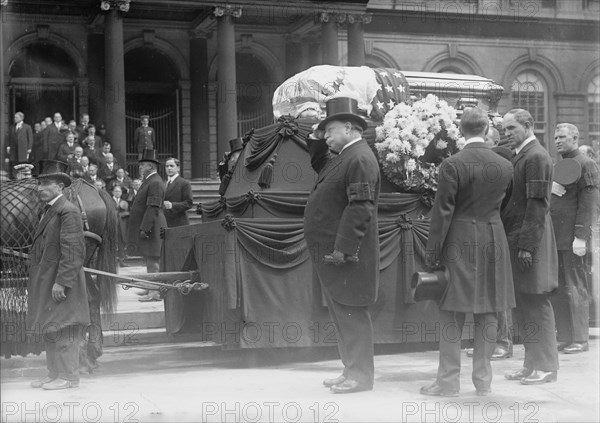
[[23, 171], [144, 135], [230, 158], [57, 301], [467, 236], [340, 226], [147, 218], [574, 210]]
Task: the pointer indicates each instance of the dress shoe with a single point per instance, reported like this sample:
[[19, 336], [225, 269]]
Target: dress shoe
[[435, 390], [57, 384], [538, 377], [519, 374], [483, 392], [335, 381], [576, 347], [348, 386], [561, 345], [39, 383], [501, 353], [469, 352]]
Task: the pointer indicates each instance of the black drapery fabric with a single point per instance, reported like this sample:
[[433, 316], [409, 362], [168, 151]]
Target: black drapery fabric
[[265, 141]]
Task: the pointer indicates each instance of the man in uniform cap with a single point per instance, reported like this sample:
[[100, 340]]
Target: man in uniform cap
[[23, 171], [146, 217], [340, 226], [144, 136], [57, 301]]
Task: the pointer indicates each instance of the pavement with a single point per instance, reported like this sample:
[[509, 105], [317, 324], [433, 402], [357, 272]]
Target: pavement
[[200, 382]]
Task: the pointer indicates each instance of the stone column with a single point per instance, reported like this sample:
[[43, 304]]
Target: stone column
[[226, 79], [356, 39], [114, 100], [294, 55], [201, 166], [96, 71], [3, 97], [329, 25]]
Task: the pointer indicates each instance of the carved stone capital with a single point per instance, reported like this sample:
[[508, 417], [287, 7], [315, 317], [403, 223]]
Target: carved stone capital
[[227, 10], [364, 18], [326, 17]]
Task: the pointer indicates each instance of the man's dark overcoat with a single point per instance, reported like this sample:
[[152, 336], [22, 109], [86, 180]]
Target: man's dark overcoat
[[341, 214], [179, 193], [57, 255], [146, 214], [574, 214], [466, 232], [20, 141], [53, 138], [144, 138], [527, 221]]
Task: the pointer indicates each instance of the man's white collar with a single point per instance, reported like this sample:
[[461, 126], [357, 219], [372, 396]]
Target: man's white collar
[[527, 141]]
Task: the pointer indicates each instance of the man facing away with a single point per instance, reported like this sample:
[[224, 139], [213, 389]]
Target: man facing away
[[574, 209], [57, 301], [178, 195], [340, 227], [528, 227], [466, 235]]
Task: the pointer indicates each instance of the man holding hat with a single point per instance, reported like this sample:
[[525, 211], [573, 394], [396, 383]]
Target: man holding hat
[[574, 210], [144, 136], [340, 227], [467, 236], [57, 301], [147, 218]]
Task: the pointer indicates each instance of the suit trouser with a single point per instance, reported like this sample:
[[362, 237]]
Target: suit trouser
[[571, 302], [152, 264], [354, 332], [484, 336], [505, 323], [535, 319], [62, 352]]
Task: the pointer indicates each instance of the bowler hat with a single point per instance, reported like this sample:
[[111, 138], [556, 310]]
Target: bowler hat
[[342, 109], [149, 155], [53, 169], [236, 144], [430, 285]]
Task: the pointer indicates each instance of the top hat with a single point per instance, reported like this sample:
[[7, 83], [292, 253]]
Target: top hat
[[53, 169], [149, 155], [144, 117], [342, 109], [430, 285], [236, 144]]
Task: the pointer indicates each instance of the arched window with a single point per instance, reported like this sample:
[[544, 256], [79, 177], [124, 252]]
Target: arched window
[[529, 92], [593, 92], [451, 69]]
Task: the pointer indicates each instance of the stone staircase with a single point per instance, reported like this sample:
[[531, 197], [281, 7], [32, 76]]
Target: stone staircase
[[203, 190]]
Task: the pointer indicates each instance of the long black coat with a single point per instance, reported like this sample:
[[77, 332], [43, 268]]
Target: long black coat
[[341, 214], [147, 214], [19, 142], [527, 221], [574, 214], [57, 255], [53, 138], [466, 232], [179, 193]]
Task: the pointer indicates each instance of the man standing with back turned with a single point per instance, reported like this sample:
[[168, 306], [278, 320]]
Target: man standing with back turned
[[466, 218], [340, 227], [533, 255]]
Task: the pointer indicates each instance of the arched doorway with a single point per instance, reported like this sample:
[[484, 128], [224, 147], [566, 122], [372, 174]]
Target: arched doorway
[[254, 92], [151, 84], [42, 82]]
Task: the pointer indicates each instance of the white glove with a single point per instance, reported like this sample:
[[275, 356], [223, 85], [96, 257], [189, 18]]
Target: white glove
[[579, 247], [558, 189]]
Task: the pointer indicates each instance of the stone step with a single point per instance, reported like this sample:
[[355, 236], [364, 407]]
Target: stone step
[[129, 320]]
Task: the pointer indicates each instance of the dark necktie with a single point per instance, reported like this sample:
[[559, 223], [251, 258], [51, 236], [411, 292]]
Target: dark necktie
[[44, 211]]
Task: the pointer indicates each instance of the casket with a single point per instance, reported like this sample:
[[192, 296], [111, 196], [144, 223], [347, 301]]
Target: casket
[[251, 247]]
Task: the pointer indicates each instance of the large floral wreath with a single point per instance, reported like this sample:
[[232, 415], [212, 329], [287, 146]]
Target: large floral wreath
[[411, 132]]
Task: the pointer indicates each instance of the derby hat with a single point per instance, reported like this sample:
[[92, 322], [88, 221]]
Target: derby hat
[[236, 144], [430, 285], [149, 155], [342, 109], [53, 169]]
